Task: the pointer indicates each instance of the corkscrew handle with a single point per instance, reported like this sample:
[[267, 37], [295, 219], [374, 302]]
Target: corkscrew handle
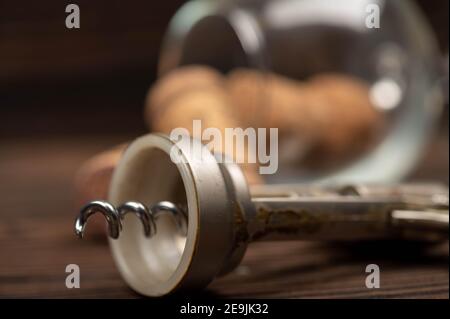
[[353, 212]]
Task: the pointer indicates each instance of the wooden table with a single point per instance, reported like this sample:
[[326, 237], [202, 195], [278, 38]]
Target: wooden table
[[37, 241]]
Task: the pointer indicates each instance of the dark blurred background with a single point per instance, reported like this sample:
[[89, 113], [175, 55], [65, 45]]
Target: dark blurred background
[[56, 81]]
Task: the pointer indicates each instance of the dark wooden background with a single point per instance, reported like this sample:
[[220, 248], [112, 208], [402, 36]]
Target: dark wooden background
[[55, 81], [66, 95]]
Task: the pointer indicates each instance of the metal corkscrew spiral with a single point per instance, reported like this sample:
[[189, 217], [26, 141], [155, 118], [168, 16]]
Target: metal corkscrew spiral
[[146, 215]]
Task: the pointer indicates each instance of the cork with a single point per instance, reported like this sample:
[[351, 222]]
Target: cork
[[330, 114], [176, 82], [351, 124], [247, 91]]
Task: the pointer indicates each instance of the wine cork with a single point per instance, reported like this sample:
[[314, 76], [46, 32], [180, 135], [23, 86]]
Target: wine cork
[[176, 82], [92, 178], [351, 123], [211, 107], [246, 89], [330, 114]]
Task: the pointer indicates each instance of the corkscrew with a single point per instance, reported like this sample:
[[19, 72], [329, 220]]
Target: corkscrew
[[206, 215], [113, 216]]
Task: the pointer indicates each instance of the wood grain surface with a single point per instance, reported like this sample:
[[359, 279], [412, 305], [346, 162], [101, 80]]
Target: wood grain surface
[[37, 241]]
